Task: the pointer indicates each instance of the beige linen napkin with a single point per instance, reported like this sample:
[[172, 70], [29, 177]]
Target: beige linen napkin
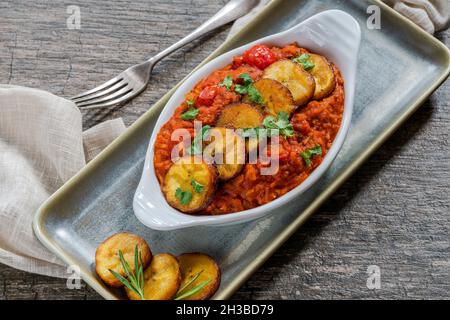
[[41, 146], [431, 15]]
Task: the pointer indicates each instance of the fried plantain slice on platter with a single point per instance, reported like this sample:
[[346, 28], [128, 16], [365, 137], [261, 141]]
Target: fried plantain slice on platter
[[277, 97], [240, 116], [300, 82], [323, 75], [161, 279], [107, 256], [204, 269], [227, 150], [190, 184]]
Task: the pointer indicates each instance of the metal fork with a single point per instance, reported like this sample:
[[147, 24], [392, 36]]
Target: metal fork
[[133, 80]]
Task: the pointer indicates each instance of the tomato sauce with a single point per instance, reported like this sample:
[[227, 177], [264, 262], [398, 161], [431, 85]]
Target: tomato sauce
[[316, 123]]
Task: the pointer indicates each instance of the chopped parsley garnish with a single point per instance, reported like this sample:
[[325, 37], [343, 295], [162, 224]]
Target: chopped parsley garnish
[[272, 126], [190, 114], [281, 123], [240, 89], [254, 95], [305, 61], [308, 154], [190, 103], [249, 88], [243, 89], [184, 196], [227, 82], [196, 146], [198, 187], [247, 79]]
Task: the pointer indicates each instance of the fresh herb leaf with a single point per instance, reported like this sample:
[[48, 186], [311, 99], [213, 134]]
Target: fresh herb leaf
[[194, 290], [196, 146], [307, 160], [190, 103], [227, 82], [288, 131], [285, 126], [198, 187], [205, 132], [254, 95], [184, 196], [280, 123], [134, 280], [283, 117], [126, 283], [136, 265], [270, 122], [308, 154], [240, 89], [305, 61], [246, 78], [248, 88], [180, 291], [190, 114], [140, 271], [180, 295]]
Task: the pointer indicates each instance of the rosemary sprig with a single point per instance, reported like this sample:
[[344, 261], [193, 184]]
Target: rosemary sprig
[[180, 295], [134, 280], [189, 283]]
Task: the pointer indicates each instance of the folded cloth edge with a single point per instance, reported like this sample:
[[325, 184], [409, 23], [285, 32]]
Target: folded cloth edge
[[432, 16], [92, 140]]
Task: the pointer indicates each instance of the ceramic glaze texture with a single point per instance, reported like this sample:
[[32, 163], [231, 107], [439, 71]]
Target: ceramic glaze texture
[[333, 34]]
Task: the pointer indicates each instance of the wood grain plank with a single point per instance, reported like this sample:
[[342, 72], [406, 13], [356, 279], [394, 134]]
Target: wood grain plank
[[394, 212]]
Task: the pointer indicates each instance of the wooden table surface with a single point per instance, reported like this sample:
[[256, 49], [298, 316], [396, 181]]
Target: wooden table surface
[[393, 213]]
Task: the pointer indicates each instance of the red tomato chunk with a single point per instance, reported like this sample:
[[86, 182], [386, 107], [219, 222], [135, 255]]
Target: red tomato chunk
[[259, 56], [206, 97]]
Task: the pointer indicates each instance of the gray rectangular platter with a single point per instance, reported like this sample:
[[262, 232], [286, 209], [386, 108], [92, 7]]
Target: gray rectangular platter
[[400, 66]]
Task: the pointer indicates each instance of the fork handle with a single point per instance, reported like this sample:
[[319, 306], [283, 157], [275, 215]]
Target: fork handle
[[231, 11]]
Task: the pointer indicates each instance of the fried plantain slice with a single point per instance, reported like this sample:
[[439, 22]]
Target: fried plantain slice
[[228, 151], [323, 75], [107, 256], [240, 116], [299, 82], [191, 265], [190, 184], [277, 97], [161, 279]]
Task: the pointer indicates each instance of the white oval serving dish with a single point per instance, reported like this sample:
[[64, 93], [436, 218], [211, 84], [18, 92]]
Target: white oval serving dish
[[334, 34]]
